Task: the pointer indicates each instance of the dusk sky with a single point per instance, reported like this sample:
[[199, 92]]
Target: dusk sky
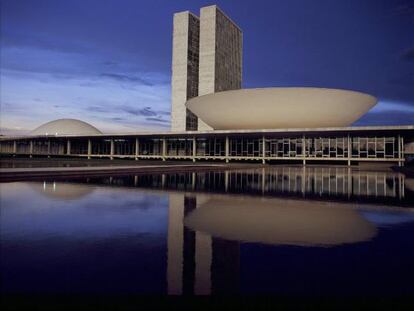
[[109, 62]]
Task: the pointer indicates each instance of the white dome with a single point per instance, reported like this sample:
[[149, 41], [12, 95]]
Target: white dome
[[281, 107], [66, 127]]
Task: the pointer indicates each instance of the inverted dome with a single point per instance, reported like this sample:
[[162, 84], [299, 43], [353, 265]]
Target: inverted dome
[[66, 127], [283, 107]]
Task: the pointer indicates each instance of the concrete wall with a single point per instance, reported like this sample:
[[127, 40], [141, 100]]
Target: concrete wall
[[184, 84], [220, 66]]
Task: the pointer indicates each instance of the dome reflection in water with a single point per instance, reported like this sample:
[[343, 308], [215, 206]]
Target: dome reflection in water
[[62, 190], [280, 222]]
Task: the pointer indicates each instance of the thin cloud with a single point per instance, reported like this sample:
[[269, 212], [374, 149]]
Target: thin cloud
[[127, 78], [157, 120], [146, 112], [117, 119], [98, 109], [164, 113], [109, 63]]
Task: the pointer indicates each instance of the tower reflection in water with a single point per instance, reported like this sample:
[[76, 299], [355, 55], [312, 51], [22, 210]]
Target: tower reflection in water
[[198, 263], [205, 231]]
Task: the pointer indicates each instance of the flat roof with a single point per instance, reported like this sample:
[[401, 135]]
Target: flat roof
[[325, 130]]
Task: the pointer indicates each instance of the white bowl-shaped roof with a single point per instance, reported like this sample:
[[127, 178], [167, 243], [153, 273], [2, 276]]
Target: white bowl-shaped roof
[[66, 127], [281, 107]]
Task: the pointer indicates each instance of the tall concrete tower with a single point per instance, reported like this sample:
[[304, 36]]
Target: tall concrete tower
[[207, 58], [186, 33], [220, 66]]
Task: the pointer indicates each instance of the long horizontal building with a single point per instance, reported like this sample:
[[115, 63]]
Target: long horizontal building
[[347, 145]]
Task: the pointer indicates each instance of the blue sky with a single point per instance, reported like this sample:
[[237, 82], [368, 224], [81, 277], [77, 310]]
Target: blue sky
[[108, 62]]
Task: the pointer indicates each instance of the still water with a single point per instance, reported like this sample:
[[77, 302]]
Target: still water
[[316, 231]]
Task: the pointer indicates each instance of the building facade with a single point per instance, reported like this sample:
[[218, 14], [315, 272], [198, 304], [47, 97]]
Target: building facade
[[343, 145], [207, 58]]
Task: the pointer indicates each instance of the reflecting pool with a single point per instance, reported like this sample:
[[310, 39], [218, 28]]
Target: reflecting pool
[[314, 231]]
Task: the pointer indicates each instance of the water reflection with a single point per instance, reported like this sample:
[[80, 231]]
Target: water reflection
[[330, 183], [337, 183], [280, 230], [60, 190], [205, 233], [409, 183], [280, 222], [198, 262]]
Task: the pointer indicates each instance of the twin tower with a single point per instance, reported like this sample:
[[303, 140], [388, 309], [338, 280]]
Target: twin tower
[[207, 58]]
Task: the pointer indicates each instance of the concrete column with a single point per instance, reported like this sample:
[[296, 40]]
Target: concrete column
[[349, 150], [263, 149], [226, 149], [194, 153], [402, 151], [226, 181], [68, 147], [48, 148], [31, 148], [89, 148], [303, 181], [136, 148], [263, 180], [14, 147], [304, 149], [112, 150], [164, 149], [193, 180], [399, 151]]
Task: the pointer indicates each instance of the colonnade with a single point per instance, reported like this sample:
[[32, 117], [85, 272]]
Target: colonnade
[[343, 148]]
